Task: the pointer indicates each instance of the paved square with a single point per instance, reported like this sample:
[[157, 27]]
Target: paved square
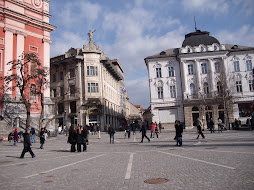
[[220, 161]]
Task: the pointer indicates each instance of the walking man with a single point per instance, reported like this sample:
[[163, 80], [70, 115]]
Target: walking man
[[143, 130], [27, 144], [179, 131], [199, 128], [211, 124], [111, 132], [152, 130]]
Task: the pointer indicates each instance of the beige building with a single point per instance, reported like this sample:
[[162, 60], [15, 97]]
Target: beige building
[[88, 87]]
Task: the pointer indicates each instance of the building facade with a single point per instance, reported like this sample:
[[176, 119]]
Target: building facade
[[88, 88], [216, 80], [24, 28]]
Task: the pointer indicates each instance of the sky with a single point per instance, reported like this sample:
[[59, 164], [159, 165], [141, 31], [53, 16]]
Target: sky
[[131, 30]]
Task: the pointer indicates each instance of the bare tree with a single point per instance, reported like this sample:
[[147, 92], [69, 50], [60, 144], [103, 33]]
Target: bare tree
[[28, 70]]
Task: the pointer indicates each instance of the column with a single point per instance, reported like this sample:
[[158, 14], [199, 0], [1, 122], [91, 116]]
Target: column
[[184, 78], [46, 63], [198, 73], [8, 55], [212, 79], [80, 93], [20, 53]]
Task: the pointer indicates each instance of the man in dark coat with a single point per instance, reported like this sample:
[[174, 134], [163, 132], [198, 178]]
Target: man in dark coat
[[79, 138], [84, 137], [199, 128], [179, 131], [111, 132], [27, 144], [143, 130], [72, 139]]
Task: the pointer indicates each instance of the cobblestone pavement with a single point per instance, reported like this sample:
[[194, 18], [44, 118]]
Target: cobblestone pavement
[[220, 161]]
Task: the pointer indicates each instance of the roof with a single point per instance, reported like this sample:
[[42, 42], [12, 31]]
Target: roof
[[199, 37], [167, 53]]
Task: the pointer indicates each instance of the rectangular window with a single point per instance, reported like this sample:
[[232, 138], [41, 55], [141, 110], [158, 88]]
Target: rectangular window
[[93, 87], [160, 92], [60, 108], [239, 86], [61, 76], [72, 89], [62, 91], [173, 91], [203, 67], [73, 107], [190, 69], [171, 72], [1, 41], [217, 67], [72, 73], [249, 65], [251, 85], [236, 66], [33, 49], [54, 93], [92, 71], [158, 72], [33, 68]]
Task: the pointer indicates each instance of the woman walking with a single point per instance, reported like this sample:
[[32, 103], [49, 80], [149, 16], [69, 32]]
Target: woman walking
[[16, 137], [72, 138], [42, 138]]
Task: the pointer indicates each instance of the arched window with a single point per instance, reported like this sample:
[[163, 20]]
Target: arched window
[[32, 92], [206, 88], [217, 67], [195, 109], [192, 89]]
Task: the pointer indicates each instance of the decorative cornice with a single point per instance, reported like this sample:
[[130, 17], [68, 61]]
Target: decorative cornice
[[46, 40]]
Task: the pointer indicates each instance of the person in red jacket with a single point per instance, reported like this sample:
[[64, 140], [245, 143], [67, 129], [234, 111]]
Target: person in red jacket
[[152, 130], [16, 137]]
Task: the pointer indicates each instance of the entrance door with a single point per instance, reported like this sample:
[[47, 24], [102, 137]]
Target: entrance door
[[222, 116], [195, 116]]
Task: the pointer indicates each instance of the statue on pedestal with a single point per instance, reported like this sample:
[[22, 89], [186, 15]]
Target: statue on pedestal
[[90, 35]]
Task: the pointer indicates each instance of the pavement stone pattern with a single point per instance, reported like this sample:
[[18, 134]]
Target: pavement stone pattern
[[220, 161]]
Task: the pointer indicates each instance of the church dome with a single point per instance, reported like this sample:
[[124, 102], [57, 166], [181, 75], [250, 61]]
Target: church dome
[[199, 37]]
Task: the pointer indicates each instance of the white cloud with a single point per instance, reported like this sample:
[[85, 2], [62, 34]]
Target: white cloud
[[207, 6], [138, 92], [243, 36]]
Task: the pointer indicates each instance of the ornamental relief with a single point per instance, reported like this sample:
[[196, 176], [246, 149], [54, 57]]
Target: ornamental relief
[[158, 83], [157, 65], [247, 57], [171, 82], [235, 58]]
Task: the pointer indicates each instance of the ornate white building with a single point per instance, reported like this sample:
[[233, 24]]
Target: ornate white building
[[202, 79], [88, 88]]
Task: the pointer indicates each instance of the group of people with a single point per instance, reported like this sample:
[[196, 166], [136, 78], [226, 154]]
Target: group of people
[[78, 137]]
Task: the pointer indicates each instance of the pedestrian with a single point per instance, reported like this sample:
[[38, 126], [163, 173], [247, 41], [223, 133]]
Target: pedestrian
[[87, 134], [42, 138], [84, 138], [27, 144], [152, 130], [133, 127], [160, 126], [16, 137], [220, 125], [199, 128], [211, 125], [72, 139], [156, 130], [111, 132], [129, 131], [143, 130], [179, 131], [248, 123], [79, 138], [94, 129], [33, 135], [252, 122], [98, 128]]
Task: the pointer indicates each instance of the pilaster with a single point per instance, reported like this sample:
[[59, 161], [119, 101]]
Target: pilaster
[[197, 66]]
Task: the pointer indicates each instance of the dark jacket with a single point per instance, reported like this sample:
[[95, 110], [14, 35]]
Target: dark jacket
[[143, 129], [111, 130], [33, 131], [42, 138], [84, 133], [27, 142], [79, 138], [72, 139], [179, 130]]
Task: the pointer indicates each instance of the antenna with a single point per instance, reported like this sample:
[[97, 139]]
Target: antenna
[[195, 23]]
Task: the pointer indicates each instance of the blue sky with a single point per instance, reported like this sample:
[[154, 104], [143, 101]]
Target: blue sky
[[130, 30]]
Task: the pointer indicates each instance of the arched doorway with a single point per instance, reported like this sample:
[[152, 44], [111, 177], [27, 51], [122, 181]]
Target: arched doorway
[[195, 115]]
